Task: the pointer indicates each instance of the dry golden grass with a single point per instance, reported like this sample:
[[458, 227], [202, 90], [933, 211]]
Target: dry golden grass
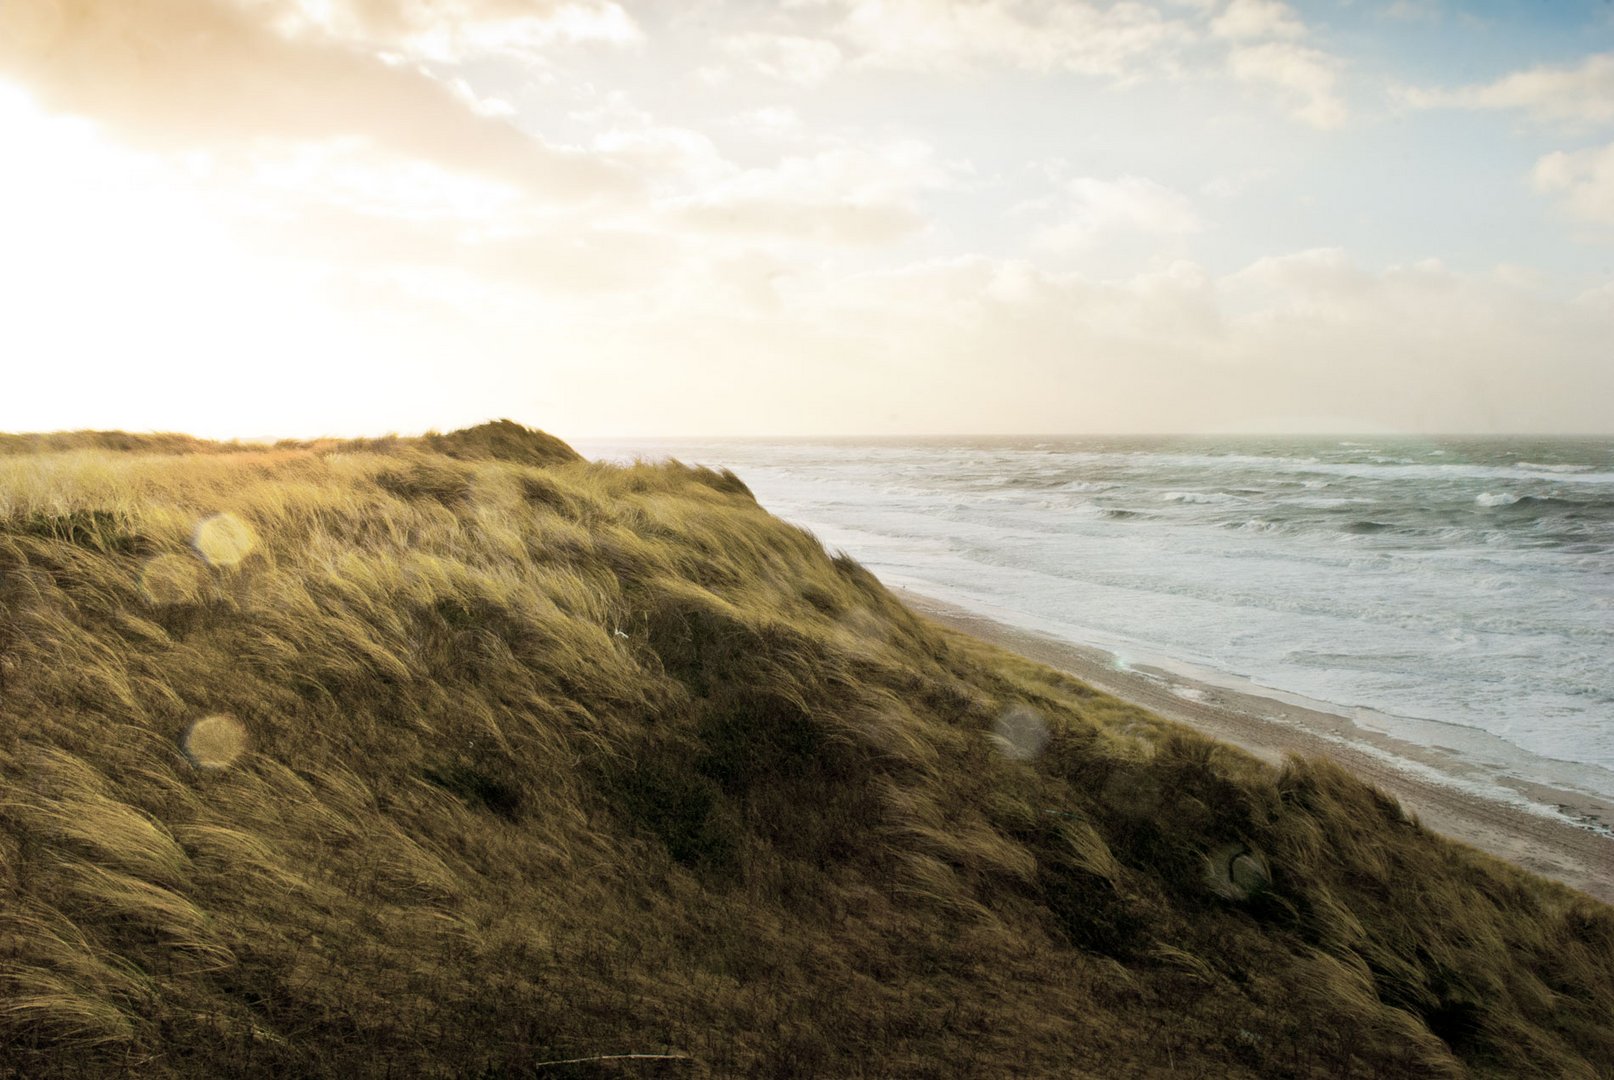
[[531, 760]]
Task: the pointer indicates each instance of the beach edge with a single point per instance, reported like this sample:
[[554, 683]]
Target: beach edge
[[1270, 728]]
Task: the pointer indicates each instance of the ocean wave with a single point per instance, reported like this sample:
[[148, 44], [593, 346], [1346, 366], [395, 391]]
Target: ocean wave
[[1208, 498], [1399, 471], [1556, 468], [1178, 459], [1326, 502], [1052, 480], [1500, 498], [1559, 505]]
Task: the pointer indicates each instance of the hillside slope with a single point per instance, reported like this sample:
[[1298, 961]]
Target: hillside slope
[[458, 755]]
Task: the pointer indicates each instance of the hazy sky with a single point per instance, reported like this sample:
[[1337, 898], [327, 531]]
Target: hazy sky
[[294, 217]]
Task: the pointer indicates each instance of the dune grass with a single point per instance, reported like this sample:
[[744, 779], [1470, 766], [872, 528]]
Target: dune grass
[[533, 760]]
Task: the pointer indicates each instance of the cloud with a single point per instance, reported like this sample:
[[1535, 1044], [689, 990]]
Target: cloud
[[1257, 19], [1306, 77], [450, 31], [769, 122], [844, 223], [186, 74], [1036, 35], [806, 186], [1585, 180], [406, 298], [1320, 270], [1264, 50], [800, 60], [845, 194], [668, 158], [1093, 208], [1257, 41], [1582, 94], [1577, 96], [335, 181], [1411, 347]]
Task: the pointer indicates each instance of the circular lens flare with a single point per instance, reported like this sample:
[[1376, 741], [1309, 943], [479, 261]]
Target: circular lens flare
[[224, 540], [214, 742], [1021, 732]]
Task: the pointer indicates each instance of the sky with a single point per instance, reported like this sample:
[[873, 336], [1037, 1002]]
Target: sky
[[292, 218]]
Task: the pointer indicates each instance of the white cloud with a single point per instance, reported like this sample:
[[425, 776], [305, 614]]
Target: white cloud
[[483, 106], [774, 122], [845, 194], [1037, 35], [406, 299], [1599, 299], [1264, 50], [1257, 19], [1582, 94], [668, 159], [1093, 208], [1230, 185], [185, 74], [1585, 180], [451, 31], [1579, 96], [1321, 284], [1306, 78], [838, 222], [1414, 347], [800, 60], [1125, 41]]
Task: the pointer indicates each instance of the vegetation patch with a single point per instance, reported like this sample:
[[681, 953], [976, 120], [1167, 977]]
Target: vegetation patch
[[503, 440], [96, 530], [479, 788]]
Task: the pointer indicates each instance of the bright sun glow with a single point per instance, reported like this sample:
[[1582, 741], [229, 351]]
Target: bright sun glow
[[126, 293]]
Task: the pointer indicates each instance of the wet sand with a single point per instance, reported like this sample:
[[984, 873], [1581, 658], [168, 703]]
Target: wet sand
[[1574, 846]]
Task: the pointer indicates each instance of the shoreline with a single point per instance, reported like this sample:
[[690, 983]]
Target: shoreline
[[1425, 780]]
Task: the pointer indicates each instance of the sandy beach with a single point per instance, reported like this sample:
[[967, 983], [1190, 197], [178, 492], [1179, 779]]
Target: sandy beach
[[1575, 846]]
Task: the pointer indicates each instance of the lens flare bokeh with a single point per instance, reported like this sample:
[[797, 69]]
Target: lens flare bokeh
[[215, 741], [224, 540], [1021, 732]]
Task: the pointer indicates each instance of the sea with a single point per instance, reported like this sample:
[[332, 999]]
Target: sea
[[1455, 593]]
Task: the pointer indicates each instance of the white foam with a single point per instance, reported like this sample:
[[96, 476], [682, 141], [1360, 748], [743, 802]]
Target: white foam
[[1205, 498], [1534, 466]]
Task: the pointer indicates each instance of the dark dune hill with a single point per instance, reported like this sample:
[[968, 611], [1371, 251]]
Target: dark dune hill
[[460, 755]]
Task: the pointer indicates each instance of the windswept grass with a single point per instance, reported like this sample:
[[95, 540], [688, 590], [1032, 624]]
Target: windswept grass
[[508, 758]]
